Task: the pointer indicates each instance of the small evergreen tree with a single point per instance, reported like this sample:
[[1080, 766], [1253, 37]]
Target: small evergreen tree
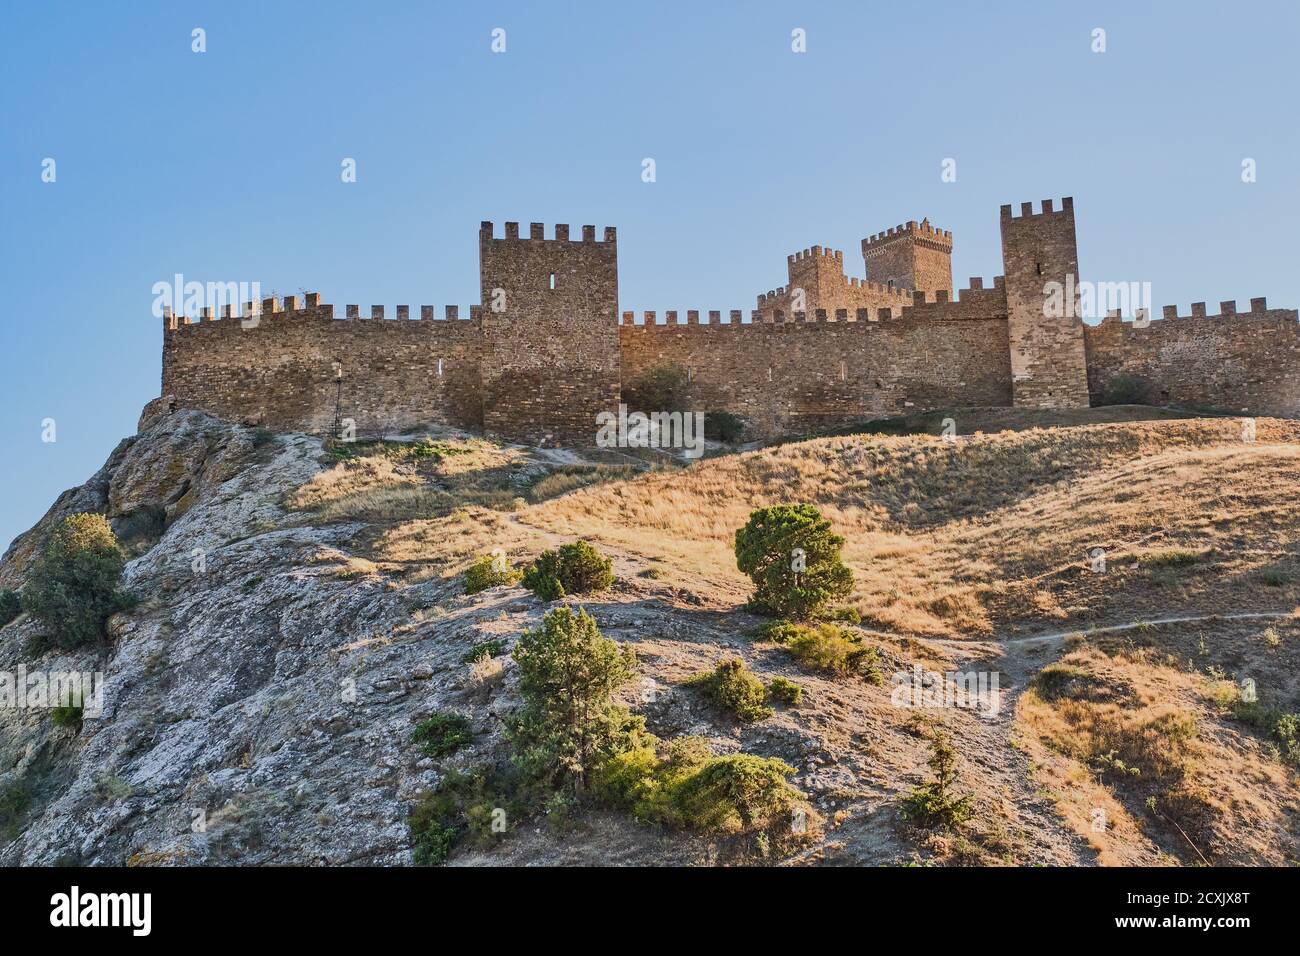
[[72, 586], [568, 672], [793, 558], [936, 803]]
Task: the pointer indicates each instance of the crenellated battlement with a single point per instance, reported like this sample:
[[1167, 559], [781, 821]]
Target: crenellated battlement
[[1048, 209], [310, 306], [852, 283], [536, 233], [549, 350], [815, 252], [910, 231], [1228, 311]]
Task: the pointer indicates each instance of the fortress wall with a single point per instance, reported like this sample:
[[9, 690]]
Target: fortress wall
[[1236, 362], [550, 361], [280, 372], [790, 376]]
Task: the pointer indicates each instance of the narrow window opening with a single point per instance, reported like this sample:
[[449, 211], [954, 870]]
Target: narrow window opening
[[439, 368], [551, 280], [844, 370], [769, 373], [1038, 267]]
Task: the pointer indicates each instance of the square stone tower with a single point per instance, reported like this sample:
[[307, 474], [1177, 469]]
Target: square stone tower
[[550, 357], [914, 256], [1048, 364]]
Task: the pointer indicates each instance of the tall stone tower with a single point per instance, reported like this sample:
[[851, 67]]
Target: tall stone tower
[[820, 274], [550, 357], [915, 256], [1048, 365]]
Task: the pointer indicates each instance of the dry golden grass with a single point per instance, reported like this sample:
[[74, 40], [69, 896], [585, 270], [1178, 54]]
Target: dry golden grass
[[961, 539], [387, 483], [984, 536], [1125, 730]]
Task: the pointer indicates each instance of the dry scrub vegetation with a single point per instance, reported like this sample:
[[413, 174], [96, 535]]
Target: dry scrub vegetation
[[957, 549], [994, 531], [1148, 729]]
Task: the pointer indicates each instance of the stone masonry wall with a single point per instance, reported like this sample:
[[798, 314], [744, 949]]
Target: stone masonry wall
[[791, 376], [1048, 366], [550, 359], [278, 368], [546, 353], [912, 255], [1235, 362]]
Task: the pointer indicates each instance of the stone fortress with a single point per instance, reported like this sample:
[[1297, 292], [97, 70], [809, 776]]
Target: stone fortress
[[547, 350]]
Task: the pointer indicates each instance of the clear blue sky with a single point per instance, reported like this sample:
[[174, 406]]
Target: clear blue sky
[[225, 165]]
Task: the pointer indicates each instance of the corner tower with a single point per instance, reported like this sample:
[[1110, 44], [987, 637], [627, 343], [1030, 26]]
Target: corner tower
[[914, 256], [1041, 260], [550, 357]]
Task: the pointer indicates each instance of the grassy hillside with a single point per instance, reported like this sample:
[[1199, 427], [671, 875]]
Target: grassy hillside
[[984, 551]]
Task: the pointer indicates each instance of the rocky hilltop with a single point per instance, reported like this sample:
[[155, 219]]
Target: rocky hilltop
[[300, 612]]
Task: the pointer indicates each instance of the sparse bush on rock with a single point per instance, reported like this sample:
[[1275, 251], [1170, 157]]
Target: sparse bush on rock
[[733, 688], [11, 605], [793, 558], [574, 568], [785, 691], [442, 734], [680, 783], [72, 588], [724, 427], [489, 571], [829, 649]]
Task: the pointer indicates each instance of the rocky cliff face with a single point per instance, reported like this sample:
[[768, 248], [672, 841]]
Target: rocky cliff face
[[257, 705], [259, 700]]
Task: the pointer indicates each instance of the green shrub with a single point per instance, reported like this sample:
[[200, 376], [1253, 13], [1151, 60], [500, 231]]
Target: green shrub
[[469, 805], [681, 784], [15, 798], [574, 568], [434, 829], [785, 691], [489, 571], [442, 734], [936, 803], [740, 788], [11, 605], [68, 713], [793, 558], [660, 389], [830, 649], [734, 689], [72, 586], [1127, 390], [568, 672], [491, 648], [724, 427], [1275, 722]]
